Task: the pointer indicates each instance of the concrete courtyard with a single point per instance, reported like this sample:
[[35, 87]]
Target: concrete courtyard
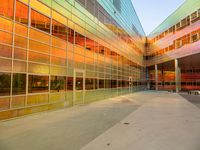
[[140, 121]]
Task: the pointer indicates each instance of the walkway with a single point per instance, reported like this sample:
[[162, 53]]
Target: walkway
[[140, 121]]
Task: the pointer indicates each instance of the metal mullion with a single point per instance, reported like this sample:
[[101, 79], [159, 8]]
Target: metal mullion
[[50, 54], [27, 52], [13, 40]]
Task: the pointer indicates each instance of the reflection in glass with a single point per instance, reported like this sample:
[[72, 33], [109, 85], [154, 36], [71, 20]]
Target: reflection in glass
[[101, 83], [21, 14], [57, 84], [89, 44], [19, 84], [59, 30], [40, 21], [5, 82], [79, 83], [7, 7], [38, 84], [70, 35], [79, 39], [113, 83], [70, 83], [89, 84]]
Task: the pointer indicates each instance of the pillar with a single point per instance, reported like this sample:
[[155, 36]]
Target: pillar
[[177, 76], [156, 77]]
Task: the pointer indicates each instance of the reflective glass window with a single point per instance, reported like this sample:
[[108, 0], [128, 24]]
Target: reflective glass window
[[59, 30], [7, 8], [21, 29], [19, 53], [113, 83], [38, 84], [19, 84], [107, 83], [5, 83], [19, 66], [5, 51], [20, 41], [79, 39], [37, 57], [37, 46], [101, 83], [40, 21], [89, 83], [39, 36], [6, 24], [21, 14], [79, 83], [69, 83], [58, 84], [70, 35], [89, 44], [5, 38]]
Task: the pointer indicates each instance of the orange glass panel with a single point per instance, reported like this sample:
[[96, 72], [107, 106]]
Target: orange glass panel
[[59, 30], [21, 14], [71, 35], [5, 51], [5, 37], [59, 52], [21, 29], [79, 39], [20, 41], [37, 35], [7, 8], [6, 24], [37, 57], [59, 43], [38, 46], [20, 53], [40, 21], [58, 61]]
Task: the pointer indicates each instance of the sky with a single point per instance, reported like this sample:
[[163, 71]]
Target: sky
[[153, 12]]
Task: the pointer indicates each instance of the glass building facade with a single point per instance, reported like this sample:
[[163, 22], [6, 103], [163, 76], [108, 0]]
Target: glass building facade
[[173, 50], [59, 53]]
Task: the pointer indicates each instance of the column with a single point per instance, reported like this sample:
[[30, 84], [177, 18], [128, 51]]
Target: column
[[177, 76], [156, 77]]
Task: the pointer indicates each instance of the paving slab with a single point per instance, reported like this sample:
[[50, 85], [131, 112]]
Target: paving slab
[[168, 122]]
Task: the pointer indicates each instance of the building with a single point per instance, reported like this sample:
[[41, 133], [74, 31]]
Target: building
[[173, 50], [59, 53]]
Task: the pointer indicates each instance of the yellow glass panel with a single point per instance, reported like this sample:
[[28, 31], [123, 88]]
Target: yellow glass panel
[[59, 18], [79, 29], [40, 7], [58, 71], [19, 66], [18, 101], [38, 68], [24, 1], [37, 99], [70, 24]]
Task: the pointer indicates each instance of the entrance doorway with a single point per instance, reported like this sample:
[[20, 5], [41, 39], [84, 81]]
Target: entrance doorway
[[79, 87]]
